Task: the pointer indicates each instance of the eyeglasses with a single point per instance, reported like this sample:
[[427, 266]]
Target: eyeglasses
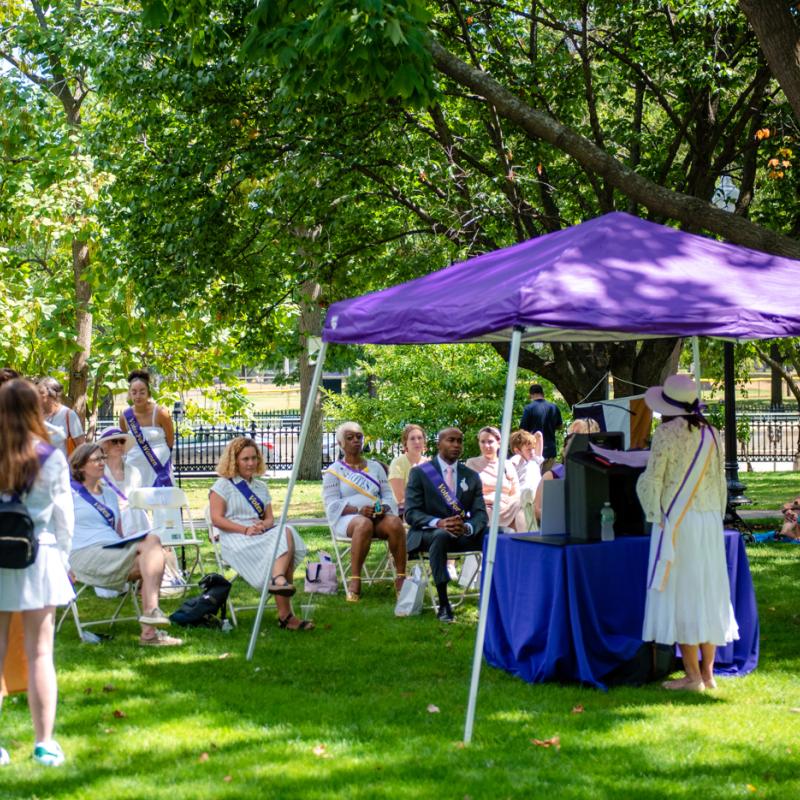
[[97, 459]]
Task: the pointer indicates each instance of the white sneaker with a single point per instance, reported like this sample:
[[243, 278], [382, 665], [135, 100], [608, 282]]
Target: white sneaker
[[154, 617], [5, 758], [48, 754]]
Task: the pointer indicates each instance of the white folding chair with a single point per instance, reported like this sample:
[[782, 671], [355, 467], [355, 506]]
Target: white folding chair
[[223, 567], [383, 570], [129, 593], [169, 512], [468, 577]]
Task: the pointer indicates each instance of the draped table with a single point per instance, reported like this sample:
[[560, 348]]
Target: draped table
[[575, 612]]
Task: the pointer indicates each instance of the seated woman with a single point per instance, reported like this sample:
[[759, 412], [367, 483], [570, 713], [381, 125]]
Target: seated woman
[[241, 507], [122, 478], [98, 558], [527, 458], [486, 464], [413, 441], [580, 425], [359, 504], [791, 523]]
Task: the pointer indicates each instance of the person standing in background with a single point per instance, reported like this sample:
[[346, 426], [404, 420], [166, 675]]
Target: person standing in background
[[544, 416], [63, 424]]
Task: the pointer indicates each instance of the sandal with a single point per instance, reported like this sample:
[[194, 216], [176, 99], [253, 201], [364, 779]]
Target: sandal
[[401, 577], [284, 589], [305, 624], [351, 596]]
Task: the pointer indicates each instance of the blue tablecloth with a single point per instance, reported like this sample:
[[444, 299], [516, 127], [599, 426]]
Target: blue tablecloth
[[574, 613]]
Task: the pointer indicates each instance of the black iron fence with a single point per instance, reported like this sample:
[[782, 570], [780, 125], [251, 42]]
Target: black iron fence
[[768, 437]]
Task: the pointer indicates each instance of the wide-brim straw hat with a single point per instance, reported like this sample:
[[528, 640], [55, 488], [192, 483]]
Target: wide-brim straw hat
[[676, 398], [117, 433]]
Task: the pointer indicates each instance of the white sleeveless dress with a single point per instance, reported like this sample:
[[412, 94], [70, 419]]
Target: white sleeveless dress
[[157, 438]]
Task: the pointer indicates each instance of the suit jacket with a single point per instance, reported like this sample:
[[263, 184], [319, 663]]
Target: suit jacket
[[423, 501]]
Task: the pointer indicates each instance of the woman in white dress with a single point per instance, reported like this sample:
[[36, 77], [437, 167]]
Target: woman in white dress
[[99, 558], [241, 508], [122, 478], [683, 493], [527, 460], [26, 460], [486, 465], [63, 424], [413, 441], [153, 432], [359, 504]]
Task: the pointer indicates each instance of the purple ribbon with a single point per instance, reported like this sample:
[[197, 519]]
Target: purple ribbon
[[103, 510], [363, 473], [437, 479], [695, 407], [161, 470], [251, 497]]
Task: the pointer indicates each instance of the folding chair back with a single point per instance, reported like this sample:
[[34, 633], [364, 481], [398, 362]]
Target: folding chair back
[[168, 510]]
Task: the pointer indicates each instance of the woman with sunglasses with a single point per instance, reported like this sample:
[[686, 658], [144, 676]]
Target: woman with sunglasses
[[122, 478], [99, 558]]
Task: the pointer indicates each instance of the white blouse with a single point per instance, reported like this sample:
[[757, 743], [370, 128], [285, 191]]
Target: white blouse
[[336, 494], [49, 503], [90, 527], [671, 452], [57, 427]]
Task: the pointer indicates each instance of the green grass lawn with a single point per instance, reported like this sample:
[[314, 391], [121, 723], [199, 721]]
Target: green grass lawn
[[346, 712], [770, 490], [306, 496]]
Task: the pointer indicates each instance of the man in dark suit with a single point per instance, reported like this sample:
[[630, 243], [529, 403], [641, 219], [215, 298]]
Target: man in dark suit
[[445, 509]]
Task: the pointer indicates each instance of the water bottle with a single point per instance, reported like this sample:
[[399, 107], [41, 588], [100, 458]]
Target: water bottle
[[607, 522]]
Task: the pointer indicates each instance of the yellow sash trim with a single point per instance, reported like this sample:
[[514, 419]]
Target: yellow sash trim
[[355, 486], [683, 514]]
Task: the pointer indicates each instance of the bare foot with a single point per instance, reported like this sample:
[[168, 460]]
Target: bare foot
[[709, 682], [685, 684]]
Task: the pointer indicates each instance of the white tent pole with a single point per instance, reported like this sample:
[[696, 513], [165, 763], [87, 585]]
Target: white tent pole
[[696, 362], [488, 564], [312, 395]]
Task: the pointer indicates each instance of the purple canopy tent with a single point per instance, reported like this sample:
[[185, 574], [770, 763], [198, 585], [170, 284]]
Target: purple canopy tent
[[611, 278], [614, 277]]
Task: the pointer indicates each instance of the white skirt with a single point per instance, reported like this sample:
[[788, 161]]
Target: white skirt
[[695, 605], [44, 583], [250, 555]]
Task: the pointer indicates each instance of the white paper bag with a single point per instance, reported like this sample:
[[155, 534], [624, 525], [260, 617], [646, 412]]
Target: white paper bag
[[412, 595], [470, 574]]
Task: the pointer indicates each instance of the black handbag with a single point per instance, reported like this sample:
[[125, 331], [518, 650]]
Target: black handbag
[[18, 543]]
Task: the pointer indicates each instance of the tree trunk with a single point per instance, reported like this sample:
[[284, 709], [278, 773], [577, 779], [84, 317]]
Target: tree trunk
[[776, 380], [693, 211], [310, 328], [79, 367], [778, 35]]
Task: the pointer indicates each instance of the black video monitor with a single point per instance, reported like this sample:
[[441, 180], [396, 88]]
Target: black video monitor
[[592, 481]]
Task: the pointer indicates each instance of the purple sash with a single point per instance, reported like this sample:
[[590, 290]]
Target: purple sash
[[103, 510], [437, 479], [251, 497], [161, 470], [364, 474], [114, 488]]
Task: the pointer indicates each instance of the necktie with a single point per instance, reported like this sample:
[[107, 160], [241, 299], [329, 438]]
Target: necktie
[[449, 479]]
